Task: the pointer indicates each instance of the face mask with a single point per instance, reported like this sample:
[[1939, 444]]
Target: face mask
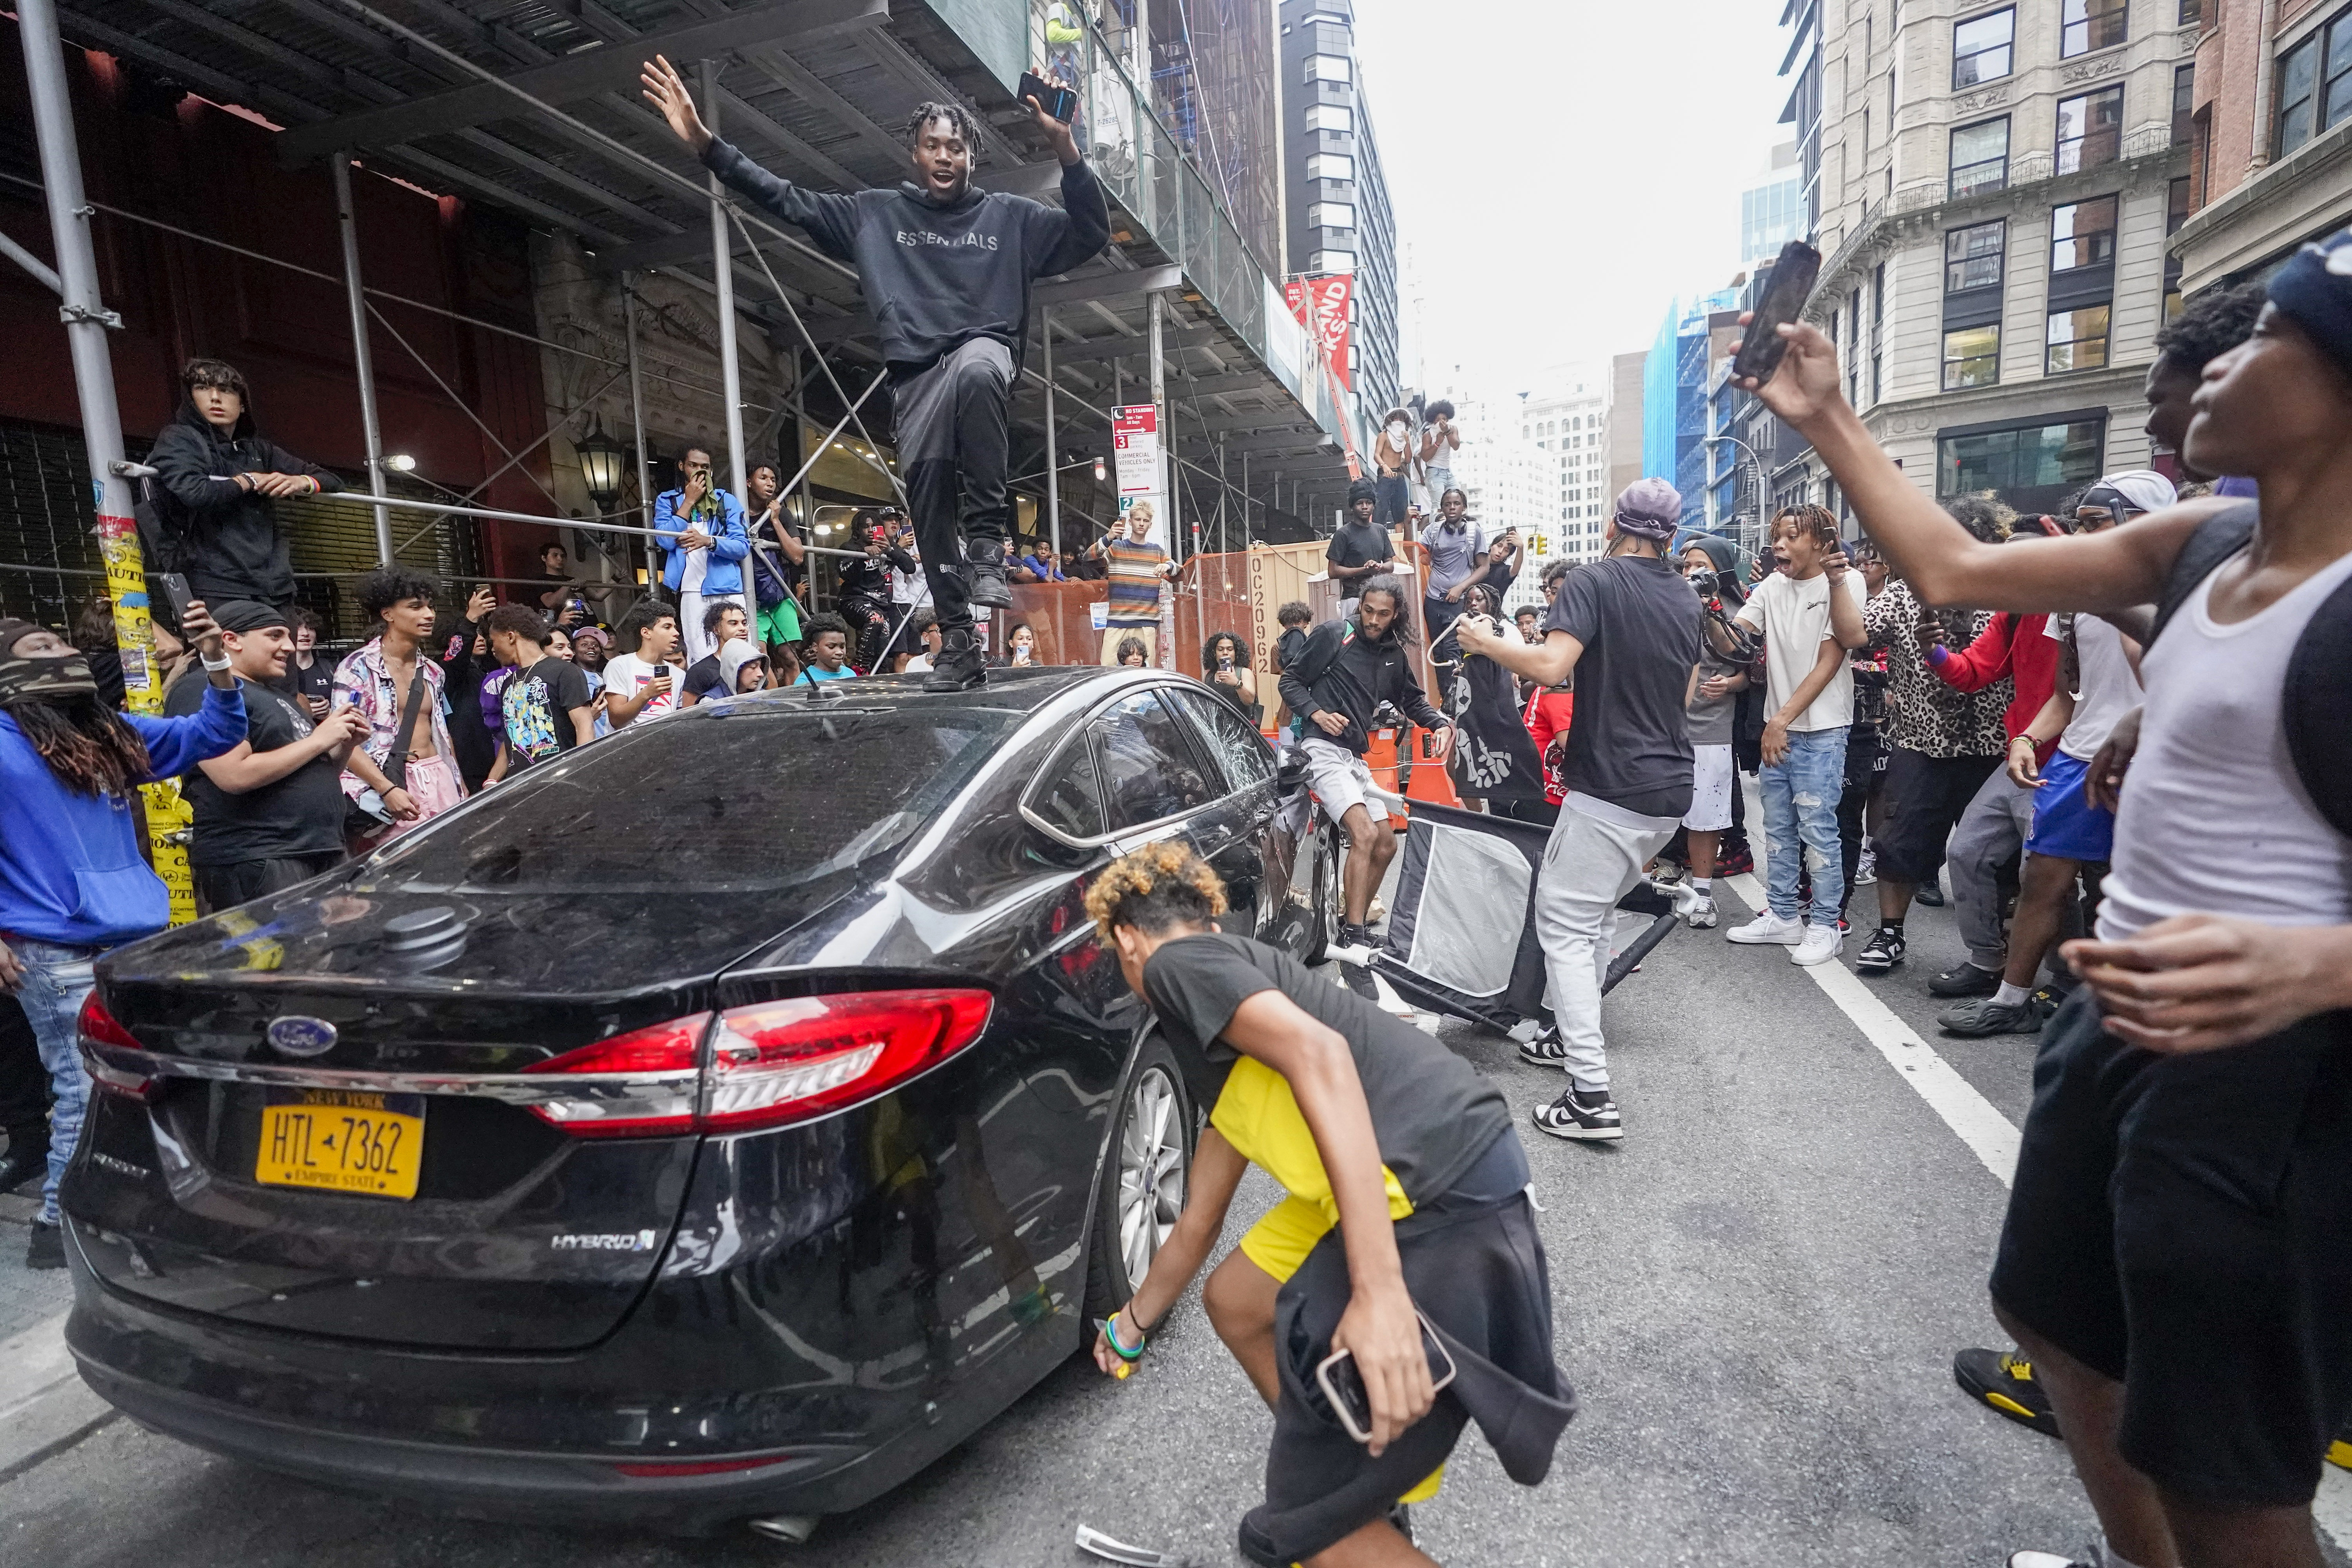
[[46, 680]]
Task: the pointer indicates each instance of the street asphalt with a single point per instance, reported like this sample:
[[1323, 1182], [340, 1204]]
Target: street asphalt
[[1758, 1295]]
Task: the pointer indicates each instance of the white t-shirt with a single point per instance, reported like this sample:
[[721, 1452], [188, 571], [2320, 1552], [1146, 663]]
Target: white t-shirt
[[2215, 817], [917, 665], [2109, 691], [1794, 618], [626, 674], [910, 588]]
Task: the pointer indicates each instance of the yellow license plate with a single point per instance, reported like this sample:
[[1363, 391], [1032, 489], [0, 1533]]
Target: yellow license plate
[[341, 1141]]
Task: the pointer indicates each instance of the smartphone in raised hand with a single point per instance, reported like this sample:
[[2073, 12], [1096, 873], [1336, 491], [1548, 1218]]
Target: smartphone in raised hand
[[1791, 285], [1057, 101]]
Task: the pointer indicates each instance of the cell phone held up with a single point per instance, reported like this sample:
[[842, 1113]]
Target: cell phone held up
[[177, 597], [1057, 101], [1343, 1385], [1794, 273]]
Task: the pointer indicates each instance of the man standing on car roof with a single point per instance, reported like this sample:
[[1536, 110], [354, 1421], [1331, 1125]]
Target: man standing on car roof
[[946, 271]]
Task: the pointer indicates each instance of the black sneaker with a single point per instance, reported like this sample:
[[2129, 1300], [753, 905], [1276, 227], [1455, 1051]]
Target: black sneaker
[[48, 1249], [2004, 1379], [961, 665], [983, 574], [1882, 952], [1544, 1048], [1965, 979], [1981, 1015], [1587, 1115], [1931, 894]]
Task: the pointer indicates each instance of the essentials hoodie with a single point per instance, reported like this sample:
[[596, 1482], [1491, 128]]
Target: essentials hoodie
[[70, 870], [223, 537], [936, 275]]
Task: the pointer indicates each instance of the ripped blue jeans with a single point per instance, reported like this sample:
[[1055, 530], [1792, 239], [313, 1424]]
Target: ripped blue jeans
[[1800, 806]]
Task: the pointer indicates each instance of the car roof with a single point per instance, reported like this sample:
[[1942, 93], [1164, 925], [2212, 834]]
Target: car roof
[[1023, 691]]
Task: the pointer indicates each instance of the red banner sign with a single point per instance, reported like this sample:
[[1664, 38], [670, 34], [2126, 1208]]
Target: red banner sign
[[1330, 297]]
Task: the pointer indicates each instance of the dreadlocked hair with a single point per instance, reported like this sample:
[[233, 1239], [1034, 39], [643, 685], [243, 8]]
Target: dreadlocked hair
[[955, 114], [86, 743], [1154, 888], [1817, 521]]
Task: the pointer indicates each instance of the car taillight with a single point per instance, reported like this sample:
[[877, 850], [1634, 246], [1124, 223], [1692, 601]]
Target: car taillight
[[772, 1064], [98, 1029]]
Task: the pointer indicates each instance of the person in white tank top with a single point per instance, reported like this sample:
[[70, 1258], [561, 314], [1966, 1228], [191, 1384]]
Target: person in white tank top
[[2174, 1261]]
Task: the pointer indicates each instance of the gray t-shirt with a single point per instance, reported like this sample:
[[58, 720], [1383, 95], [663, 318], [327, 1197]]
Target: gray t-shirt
[[1639, 623], [1453, 553], [1710, 722]]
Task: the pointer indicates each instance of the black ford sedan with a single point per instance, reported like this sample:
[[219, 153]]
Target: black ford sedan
[[719, 1122]]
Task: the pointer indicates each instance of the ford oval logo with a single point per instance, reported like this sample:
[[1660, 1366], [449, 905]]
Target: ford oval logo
[[298, 1037]]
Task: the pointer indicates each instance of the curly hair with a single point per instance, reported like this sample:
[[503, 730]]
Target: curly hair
[[1209, 651], [2215, 321], [955, 114], [1982, 513], [1154, 888], [386, 586], [1817, 521]]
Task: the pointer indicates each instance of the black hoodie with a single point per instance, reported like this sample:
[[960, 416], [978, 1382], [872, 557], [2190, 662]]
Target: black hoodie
[[224, 537], [936, 275]]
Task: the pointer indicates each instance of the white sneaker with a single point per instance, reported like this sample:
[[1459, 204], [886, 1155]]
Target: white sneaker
[[1769, 926], [1821, 945], [1701, 916]]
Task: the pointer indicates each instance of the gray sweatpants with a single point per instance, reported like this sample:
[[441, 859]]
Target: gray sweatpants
[[950, 422], [1991, 832], [1587, 866]]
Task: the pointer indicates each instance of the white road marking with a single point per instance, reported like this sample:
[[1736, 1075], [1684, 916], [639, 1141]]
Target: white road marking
[[1989, 1134]]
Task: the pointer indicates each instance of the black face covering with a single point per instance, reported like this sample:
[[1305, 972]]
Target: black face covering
[[44, 680]]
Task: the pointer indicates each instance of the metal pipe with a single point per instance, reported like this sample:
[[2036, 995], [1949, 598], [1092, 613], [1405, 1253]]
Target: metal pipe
[[2266, 88], [32, 264], [1053, 465], [362, 363], [722, 271], [638, 408], [1167, 474]]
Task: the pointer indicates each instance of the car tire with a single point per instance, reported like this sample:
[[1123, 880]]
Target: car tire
[[1330, 855], [1146, 1172]]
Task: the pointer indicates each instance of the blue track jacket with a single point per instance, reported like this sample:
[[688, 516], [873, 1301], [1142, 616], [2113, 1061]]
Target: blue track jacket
[[730, 542], [70, 871]]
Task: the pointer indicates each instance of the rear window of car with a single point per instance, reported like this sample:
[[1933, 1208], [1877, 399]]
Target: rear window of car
[[757, 796]]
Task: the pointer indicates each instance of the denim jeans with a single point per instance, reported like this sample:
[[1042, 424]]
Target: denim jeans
[[1800, 806], [56, 979]]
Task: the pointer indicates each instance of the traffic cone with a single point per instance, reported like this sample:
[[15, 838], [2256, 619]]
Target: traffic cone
[[1430, 780]]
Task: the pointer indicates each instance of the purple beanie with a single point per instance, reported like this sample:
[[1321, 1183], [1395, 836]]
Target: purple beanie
[[1649, 509]]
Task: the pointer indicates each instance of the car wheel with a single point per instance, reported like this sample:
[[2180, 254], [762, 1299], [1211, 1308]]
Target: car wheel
[[1144, 1178], [1330, 857]]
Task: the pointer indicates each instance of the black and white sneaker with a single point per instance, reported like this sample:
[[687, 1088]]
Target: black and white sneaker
[[1544, 1048], [1882, 952], [983, 574], [1587, 1115]]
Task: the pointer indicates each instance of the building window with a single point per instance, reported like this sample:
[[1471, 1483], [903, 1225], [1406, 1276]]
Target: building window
[[2192, 13], [2077, 340], [1329, 261], [2314, 84], [1971, 357], [1330, 214], [1981, 157], [1972, 256], [2089, 24], [2184, 103], [1330, 117], [2083, 234], [2090, 129], [1328, 68], [1330, 166], [1983, 48], [2047, 458]]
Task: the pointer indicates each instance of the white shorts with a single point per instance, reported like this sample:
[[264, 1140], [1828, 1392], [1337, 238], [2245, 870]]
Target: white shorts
[[1711, 776], [1341, 780]]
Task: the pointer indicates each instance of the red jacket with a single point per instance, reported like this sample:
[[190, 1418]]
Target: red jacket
[[2014, 645], [1548, 718]]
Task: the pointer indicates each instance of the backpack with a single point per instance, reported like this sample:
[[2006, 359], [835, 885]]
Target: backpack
[[2318, 673]]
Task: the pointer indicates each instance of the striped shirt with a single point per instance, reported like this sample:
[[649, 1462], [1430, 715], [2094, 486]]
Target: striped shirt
[[1135, 577]]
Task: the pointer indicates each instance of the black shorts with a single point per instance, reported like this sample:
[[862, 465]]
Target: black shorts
[[2183, 1225], [225, 887], [1927, 795]]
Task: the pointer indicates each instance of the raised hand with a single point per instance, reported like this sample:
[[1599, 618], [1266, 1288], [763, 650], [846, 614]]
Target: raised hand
[[1057, 132], [666, 91], [1805, 387]]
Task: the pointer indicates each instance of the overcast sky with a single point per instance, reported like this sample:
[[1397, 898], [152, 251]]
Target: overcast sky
[[1563, 168]]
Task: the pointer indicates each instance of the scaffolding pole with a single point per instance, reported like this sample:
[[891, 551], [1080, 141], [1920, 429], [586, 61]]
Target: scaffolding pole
[[722, 272], [362, 361], [1053, 462], [637, 410]]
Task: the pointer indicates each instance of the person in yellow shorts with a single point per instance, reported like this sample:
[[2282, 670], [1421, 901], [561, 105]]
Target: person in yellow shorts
[[1406, 1222]]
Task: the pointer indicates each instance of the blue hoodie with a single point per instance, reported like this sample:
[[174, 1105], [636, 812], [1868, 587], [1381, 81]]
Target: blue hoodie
[[70, 871], [730, 541]]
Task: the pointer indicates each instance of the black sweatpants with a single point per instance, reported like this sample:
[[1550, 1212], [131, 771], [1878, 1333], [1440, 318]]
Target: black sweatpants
[[951, 449], [222, 887], [1865, 775]]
